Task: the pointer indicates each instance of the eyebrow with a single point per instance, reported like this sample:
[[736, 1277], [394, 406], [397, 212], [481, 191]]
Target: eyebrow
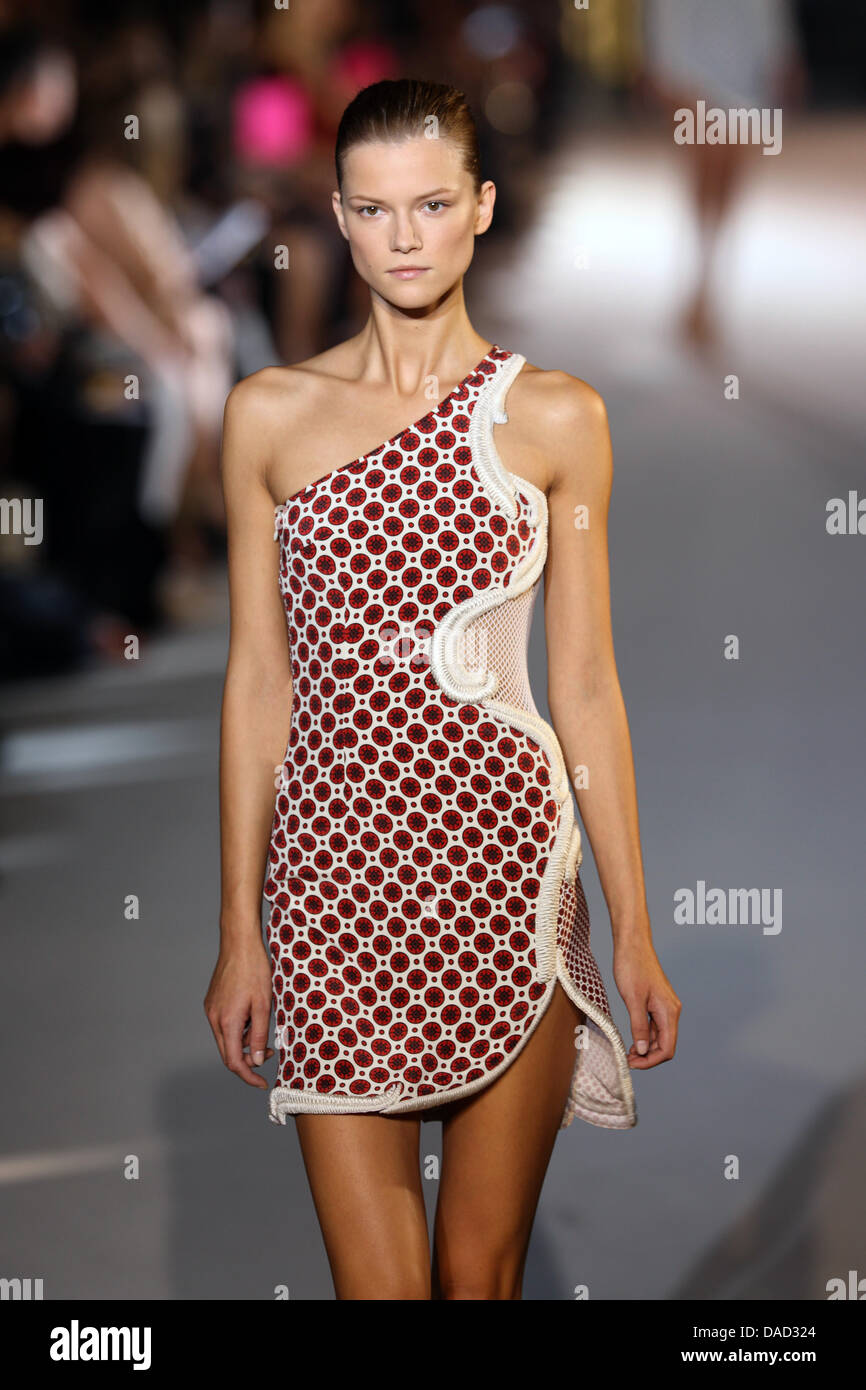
[[431, 194]]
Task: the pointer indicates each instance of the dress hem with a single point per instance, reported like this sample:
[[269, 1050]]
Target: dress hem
[[287, 1100]]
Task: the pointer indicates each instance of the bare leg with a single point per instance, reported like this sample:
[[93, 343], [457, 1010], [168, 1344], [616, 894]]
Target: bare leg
[[496, 1146], [365, 1178], [716, 174]]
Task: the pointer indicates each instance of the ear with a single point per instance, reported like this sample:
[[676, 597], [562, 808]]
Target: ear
[[484, 210], [337, 205]]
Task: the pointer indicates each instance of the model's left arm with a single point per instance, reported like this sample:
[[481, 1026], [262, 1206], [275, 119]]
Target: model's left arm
[[586, 702]]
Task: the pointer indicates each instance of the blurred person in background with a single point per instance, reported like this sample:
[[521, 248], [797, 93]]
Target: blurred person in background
[[509, 58], [311, 60], [111, 269], [739, 53], [56, 612]]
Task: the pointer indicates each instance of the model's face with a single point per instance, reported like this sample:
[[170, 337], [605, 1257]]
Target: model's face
[[410, 213]]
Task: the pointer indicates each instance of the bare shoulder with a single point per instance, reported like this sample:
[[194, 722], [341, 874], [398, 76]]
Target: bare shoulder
[[269, 410], [273, 395], [564, 402], [570, 416]]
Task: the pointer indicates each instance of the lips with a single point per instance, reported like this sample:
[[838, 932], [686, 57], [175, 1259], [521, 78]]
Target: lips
[[408, 272]]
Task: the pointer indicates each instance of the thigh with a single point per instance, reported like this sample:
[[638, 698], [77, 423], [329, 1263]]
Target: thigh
[[365, 1179], [496, 1146]]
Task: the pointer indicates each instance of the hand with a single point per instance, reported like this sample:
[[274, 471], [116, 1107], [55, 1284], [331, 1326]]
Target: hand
[[653, 1007], [238, 1009]]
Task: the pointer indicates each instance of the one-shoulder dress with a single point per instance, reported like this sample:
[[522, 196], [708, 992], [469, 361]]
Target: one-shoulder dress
[[423, 870]]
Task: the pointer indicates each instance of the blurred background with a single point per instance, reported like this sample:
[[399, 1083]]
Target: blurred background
[[154, 160]]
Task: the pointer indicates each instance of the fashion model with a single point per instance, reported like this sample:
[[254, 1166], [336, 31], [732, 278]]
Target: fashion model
[[428, 951]]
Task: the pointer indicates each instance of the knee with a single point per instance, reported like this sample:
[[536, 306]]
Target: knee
[[481, 1275], [491, 1288], [391, 1286]]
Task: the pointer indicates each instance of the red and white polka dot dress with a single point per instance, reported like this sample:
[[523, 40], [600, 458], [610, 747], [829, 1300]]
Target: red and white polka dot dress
[[423, 867]]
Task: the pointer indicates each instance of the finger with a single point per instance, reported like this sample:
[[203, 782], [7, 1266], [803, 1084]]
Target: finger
[[665, 1045], [236, 1060], [640, 1029], [653, 1055], [257, 1038], [269, 1051], [653, 1038]]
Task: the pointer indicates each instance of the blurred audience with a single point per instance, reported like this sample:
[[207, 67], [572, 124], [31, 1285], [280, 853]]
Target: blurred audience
[[118, 363], [165, 228]]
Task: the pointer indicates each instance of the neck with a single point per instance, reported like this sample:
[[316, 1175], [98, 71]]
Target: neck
[[405, 351]]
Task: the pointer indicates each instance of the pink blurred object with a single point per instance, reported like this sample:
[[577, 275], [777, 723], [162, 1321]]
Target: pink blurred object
[[363, 62], [273, 121]]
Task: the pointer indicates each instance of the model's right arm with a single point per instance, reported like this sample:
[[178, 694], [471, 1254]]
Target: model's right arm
[[256, 718]]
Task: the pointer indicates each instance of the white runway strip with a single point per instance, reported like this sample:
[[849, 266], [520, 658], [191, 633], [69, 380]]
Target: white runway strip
[[85, 755], [73, 1163]]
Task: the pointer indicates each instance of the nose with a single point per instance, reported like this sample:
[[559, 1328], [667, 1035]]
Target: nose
[[405, 236]]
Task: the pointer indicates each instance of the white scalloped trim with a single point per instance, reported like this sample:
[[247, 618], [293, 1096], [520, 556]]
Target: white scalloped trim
[[540, 730], [572, 863], [547, 907], [285, 1101], [489, 410]]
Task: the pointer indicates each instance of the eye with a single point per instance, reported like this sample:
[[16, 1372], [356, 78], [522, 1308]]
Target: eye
[[435, 203], [370, 207]]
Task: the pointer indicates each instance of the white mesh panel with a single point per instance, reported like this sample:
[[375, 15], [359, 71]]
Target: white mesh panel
[[499, 641]]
